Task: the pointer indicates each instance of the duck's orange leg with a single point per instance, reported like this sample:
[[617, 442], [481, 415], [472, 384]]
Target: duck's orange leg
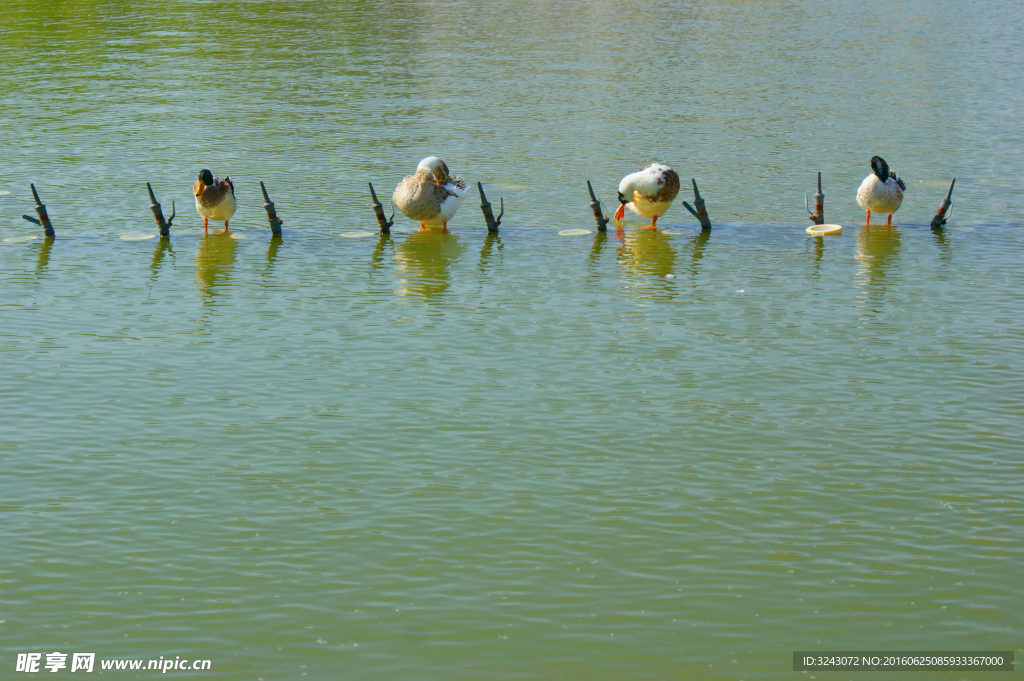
[[205, 223], [654, 222], [225, 226], [867, 220], [446, 225], [889, 221], [422, 226]]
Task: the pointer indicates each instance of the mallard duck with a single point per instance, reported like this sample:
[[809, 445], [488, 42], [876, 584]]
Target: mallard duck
[[215, 198], [881, 191], [430, 196], [649, 192]]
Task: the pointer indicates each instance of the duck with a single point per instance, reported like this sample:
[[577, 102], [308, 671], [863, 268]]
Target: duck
[[881, 191], [648, 192], [215, 198], [431, 195]]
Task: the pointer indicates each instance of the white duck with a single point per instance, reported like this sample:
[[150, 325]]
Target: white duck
[[881, 191], [649, 192], [215, 198], [430, 196]]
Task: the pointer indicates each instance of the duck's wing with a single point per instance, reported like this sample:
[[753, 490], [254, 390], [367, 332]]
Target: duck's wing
[[231, 185], [657, 183]]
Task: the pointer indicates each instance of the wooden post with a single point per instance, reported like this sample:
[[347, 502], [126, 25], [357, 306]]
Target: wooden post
[[378, 210], [600, 218], [485, 206], [44, 219], [701, 213], [158, 214], [940, 215], [268, 205], [818, 216]]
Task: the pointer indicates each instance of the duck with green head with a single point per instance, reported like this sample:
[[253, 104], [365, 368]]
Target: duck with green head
[[215, 198]]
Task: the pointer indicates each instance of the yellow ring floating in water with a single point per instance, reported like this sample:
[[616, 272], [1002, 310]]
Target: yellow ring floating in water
[[137, 237], [357, 235], [574, 232], [20, 239], [822, 230]]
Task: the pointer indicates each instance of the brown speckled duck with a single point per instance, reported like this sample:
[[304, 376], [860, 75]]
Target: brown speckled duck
[[215, 198], [430, 196], [648, 193]]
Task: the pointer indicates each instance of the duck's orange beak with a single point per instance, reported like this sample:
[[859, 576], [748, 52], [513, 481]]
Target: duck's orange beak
[[620, 211], [197, 188]]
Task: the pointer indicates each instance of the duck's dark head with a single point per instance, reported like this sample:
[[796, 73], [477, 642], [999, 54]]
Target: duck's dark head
[[206, 177], [880, 167]]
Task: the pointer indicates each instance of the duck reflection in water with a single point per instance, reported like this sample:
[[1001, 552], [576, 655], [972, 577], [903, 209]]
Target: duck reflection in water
[[424, 259], [647, 252], [215, 258], [878, 248]]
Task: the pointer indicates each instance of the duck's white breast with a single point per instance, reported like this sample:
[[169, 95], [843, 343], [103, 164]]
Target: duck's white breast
[[879, 197], [221, 211]]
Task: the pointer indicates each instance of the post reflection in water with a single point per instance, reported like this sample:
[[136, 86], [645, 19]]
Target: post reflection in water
[[44, 254], [942, 239], [600, 238], [163, 247], [877, 250], [424, 259], [697, 249], [377, 256], [215, 258], [818, 246], [492, 242], [275, 243]]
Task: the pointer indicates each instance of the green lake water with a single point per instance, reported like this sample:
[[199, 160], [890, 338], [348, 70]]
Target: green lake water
[[635, 455]]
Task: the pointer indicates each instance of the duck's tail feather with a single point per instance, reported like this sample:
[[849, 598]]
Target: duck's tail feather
[[899, 180]]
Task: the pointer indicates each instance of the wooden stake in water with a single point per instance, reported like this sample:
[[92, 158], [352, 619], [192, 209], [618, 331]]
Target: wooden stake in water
[[818, 216], [940, 215], [701, 213], [599, 217], [158, 214], [378, 210], [44, 219], [268, 205], [485, 206]]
